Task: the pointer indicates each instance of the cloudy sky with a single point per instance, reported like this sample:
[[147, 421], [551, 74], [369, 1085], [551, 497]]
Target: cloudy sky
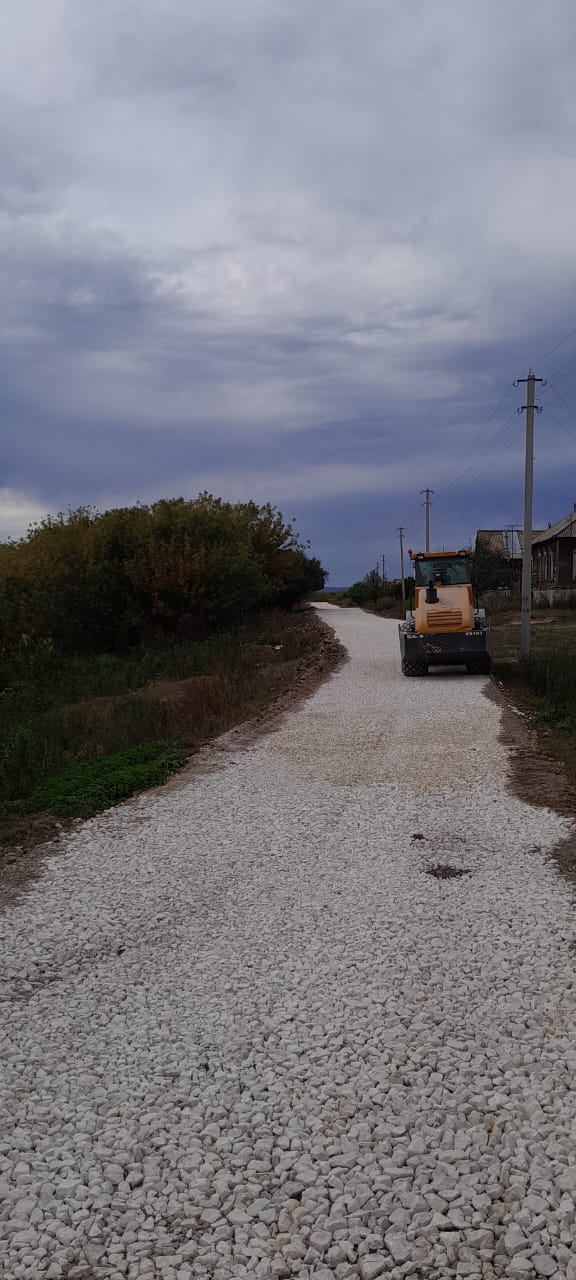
[[295, 250]]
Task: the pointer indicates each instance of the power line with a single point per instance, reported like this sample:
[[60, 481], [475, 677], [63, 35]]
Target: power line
[[561, 397], [480, 433], [559, 424], [562, 372], [558, 344], [499, 455], [486, 448]]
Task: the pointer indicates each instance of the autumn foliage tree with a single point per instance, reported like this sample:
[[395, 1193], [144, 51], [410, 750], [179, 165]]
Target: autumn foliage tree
[[91, 581]]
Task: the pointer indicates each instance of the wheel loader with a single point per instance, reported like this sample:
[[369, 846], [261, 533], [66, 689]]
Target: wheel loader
[[444, 628]]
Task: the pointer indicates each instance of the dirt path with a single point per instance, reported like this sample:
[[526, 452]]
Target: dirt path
[[310, 1014]]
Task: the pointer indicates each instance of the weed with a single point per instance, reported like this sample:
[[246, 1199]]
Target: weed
[[62, 714], [89, 786]]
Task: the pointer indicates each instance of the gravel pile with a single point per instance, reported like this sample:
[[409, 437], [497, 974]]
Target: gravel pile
[[245, 1033]]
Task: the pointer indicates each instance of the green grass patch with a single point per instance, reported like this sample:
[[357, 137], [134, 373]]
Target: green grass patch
[[89, 786]]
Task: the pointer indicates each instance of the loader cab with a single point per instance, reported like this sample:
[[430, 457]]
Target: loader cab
[[444, 570], [443, 592]]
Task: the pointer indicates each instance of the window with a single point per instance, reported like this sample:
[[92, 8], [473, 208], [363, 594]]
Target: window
[[448, 572]]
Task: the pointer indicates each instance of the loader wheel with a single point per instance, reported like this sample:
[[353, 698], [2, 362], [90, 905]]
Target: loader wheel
[[481, 665], [414, 667]]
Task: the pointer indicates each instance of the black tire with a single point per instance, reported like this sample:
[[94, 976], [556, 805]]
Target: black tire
[[480, 665], [414, 667]]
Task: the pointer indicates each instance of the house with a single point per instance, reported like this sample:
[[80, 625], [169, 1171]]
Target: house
[[502, 542], [509, 545], [554, 561]]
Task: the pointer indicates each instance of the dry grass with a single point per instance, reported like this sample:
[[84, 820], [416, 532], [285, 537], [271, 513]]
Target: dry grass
[[545, 687], [240, 675], [552, 630]]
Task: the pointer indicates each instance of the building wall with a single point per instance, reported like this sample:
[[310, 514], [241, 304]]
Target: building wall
[[554, 596], [554, 564]]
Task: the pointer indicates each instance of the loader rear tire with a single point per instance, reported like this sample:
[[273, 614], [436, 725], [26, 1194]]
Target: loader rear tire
[[414, 667], [481, 665]]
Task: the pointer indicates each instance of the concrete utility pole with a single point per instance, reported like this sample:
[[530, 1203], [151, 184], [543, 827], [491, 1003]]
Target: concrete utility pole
[[427, 504], [401, 536], [526, 606]]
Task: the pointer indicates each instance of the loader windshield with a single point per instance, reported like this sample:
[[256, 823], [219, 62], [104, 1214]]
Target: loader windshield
[[449, 572]]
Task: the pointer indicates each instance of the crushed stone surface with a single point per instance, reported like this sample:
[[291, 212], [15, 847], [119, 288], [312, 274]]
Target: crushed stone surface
[[245, 1032]]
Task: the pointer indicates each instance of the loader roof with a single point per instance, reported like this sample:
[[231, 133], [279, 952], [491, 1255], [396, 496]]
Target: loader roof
[[437, 555]]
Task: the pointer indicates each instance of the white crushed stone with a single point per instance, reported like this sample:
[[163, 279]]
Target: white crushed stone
[[244, 1034]]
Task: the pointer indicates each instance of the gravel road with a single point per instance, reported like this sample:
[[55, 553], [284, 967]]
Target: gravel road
[[246, 1033]]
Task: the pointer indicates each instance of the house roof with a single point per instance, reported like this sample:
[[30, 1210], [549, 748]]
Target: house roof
[[502, 541], [566, 526], [494, 539]]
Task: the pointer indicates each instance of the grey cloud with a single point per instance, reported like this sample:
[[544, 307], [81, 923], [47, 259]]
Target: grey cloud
[[258, 244]]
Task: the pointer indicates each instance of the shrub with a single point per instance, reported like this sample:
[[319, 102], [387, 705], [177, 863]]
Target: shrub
[[491, 571], [95, 606], [91, 582]]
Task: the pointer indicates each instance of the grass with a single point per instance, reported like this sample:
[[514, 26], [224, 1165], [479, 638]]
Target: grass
[[78, 733], [89, 786], [546, 684]]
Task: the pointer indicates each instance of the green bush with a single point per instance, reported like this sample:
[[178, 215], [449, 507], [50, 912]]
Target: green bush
[[103, 583], [94, 607], [491, 571], [368, 589]]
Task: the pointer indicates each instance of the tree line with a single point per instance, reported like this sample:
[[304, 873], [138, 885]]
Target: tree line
[[93, 581], [489, 571]]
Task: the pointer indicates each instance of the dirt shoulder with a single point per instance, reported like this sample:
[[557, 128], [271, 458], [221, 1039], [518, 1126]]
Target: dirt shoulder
[[38, 837], [541, 744], [540, 774]]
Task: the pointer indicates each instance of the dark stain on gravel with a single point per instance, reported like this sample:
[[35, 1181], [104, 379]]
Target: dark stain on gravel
[[443, 871]]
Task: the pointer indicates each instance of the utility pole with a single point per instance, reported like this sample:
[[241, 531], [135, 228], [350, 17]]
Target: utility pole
[[427, 504], [401, 536], [383, 568], [526, 606]]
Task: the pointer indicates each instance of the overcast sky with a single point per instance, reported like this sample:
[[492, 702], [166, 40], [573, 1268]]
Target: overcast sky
[[293, 250]]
